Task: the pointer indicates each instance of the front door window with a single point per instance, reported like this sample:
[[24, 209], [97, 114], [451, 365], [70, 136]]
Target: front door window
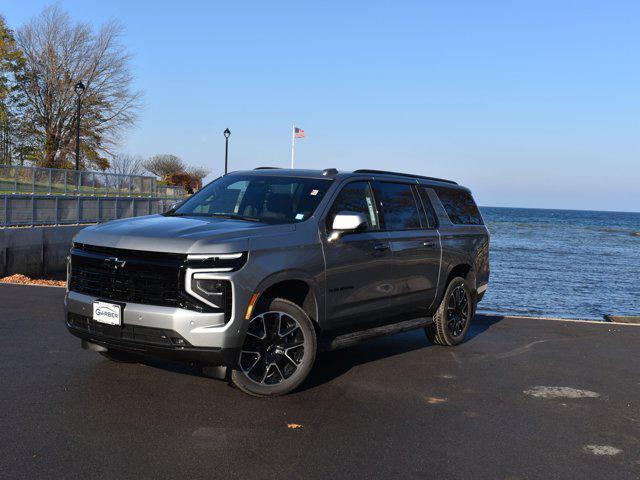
[[356, 197]]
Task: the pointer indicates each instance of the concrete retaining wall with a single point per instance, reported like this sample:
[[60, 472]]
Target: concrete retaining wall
[[42, 250], [35, 251]]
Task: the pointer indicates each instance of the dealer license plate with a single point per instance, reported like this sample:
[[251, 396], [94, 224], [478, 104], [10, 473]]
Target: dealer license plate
[[109, 313]]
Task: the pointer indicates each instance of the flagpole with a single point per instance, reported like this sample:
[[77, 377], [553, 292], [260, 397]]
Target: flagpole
[[293, 145]]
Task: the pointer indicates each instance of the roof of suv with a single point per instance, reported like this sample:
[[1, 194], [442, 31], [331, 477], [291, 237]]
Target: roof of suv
[[332, 173]]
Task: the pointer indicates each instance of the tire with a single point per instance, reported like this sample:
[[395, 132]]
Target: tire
[[121, 357], [278, 351], [452, 319]]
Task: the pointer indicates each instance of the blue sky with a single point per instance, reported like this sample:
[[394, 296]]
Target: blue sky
[[532, 104]]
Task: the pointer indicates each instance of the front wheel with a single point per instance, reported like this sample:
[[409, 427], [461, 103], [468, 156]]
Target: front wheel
[[453, 317], [278, 352]]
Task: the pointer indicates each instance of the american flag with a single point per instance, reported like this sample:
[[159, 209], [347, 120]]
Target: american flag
[[299, 133]]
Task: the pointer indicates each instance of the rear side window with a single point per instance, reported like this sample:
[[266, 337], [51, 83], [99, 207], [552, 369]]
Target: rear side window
[[399, 208], [355, 197], [460, 207]]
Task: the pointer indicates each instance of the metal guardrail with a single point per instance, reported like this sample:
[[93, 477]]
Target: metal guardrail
[[51, 181], [18, 210]]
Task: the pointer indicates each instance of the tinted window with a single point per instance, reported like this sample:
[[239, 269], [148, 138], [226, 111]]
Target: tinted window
[[355, 197], [432, 221], [259, 198], [398, 204], [459, 205]]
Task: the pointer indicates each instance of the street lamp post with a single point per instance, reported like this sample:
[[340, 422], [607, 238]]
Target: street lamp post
[[227, 134], [79, 89]]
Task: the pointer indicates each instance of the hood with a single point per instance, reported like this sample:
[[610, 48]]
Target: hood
[[179, 234]]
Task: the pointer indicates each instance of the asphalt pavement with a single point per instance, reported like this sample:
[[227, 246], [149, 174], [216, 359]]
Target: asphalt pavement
[[519, 399]]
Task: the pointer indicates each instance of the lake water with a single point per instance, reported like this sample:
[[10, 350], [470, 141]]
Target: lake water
[[563, 263]]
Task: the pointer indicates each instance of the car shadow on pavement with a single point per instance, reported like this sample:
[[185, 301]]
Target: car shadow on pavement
[[333, 364]]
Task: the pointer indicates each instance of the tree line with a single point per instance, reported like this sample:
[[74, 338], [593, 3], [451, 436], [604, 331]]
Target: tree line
[[40, 63]]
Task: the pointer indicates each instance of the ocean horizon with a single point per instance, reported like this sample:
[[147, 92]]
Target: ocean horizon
[[579, 264], [559, 209]]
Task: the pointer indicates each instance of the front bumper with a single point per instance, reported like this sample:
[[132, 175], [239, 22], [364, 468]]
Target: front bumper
[[150, 342], [199, 329]]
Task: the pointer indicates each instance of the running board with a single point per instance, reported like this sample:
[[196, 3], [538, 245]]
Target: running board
[[348, 339]]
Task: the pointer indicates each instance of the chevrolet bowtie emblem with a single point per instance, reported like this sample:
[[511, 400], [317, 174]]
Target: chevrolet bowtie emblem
[[115, 263]]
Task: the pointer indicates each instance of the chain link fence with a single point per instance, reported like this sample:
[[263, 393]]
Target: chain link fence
[[51, 181]]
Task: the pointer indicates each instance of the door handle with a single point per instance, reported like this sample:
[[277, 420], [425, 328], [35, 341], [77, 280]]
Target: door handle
[[381, 246], [429, 244]]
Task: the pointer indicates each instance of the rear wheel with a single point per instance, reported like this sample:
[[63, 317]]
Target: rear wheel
[[278, 352], [121, 357], [453, 317]]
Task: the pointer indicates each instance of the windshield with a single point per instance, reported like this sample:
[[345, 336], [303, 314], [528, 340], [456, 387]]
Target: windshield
[[258, 198]]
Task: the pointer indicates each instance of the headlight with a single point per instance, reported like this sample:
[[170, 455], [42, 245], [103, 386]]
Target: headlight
[[212, 291], [204, 282], [217, 262]]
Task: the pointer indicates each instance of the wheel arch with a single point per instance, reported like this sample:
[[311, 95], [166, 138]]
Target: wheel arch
[[466, 271], [295, 286]]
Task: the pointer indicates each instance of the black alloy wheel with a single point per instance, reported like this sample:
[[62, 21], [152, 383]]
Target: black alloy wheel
[[457, 311], [278, 352], [453, 317], [273, 349]]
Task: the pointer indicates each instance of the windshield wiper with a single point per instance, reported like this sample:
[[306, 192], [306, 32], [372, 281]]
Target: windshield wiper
[[233, 216]]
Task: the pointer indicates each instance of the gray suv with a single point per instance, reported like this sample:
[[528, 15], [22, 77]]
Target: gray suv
[[260, 270]]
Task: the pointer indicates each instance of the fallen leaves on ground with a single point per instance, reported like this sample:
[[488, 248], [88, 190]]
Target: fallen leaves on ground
[[435, 400], [24, 280]]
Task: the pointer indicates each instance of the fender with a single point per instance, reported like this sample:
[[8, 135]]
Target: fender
[[295, 274], [471, 277]]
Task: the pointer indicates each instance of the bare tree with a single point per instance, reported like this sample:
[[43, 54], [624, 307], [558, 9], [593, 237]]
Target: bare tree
[[198, 173], [58, 53], [164, 165], [125, 164]]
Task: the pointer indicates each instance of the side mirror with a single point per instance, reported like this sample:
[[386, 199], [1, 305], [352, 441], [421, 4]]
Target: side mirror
[[174, 206], [347, 222]]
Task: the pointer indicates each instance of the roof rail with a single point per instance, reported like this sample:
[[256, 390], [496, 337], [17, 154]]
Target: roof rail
[[330, 172], [410, 175], [267, 168]]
